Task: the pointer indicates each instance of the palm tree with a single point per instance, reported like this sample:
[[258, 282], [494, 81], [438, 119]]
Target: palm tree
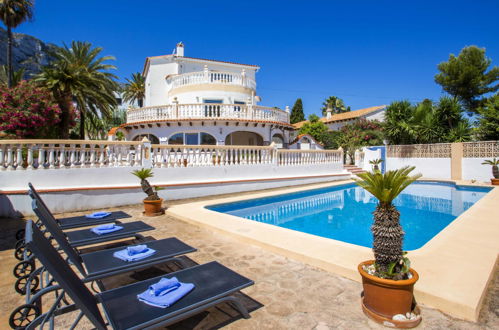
[[12, 14], [387, 231], [78, 75], [17, 76], [134, 90], [336, 104]]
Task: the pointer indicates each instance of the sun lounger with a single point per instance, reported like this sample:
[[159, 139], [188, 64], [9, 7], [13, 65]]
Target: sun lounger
[[77, 221], [214, 284], [83, 237]]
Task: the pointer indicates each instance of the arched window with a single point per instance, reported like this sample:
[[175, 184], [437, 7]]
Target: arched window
[[195, 138], [278, 140], [176, 139], [150, 137], [244, 138]]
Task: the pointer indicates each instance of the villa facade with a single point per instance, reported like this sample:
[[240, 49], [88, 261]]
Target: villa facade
[[196, 101]]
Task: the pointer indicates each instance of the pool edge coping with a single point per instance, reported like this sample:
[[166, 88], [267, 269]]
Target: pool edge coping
[[442, 292]]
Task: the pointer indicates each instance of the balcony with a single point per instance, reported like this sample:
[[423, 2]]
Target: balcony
[[207, 111], [208, 77]]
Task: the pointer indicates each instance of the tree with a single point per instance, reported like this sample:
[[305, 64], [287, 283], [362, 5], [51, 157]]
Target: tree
[[466, 77], [28, 111], [79, 75], [387, 231], [426, 122], [297, 114], [488, 125], [12, 14], [316, 128], [359, 134], [336, 104], [134, 90]]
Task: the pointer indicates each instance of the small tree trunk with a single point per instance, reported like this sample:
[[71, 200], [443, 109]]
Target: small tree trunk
[[82, 124], [9, 56], [388, 236], [65, 105], [146, 187], [141, 103], [495, 171]]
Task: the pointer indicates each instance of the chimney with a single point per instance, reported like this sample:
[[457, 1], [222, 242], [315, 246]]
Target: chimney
[[329, 112], [180, 49]]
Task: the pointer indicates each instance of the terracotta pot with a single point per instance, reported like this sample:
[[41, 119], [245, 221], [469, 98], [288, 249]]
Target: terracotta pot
[[385, 298], [153, 208], [494, 182]]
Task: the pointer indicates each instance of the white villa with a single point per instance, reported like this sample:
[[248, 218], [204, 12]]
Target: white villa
[[196, 101]]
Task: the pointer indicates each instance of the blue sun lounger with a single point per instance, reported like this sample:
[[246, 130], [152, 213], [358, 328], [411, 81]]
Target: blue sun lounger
[[214, 284]]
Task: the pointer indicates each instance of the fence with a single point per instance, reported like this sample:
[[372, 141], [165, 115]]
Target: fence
[[457, 161]]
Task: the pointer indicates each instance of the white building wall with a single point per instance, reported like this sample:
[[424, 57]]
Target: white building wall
[[435, 168], [156, 86], [200, 96], [474, 170], [219, 131]]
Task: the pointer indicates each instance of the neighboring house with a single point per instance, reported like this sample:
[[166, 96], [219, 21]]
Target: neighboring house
[[337, 121], [198, 101]]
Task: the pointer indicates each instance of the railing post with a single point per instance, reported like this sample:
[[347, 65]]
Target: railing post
[[2, 159], [275, 154], [146, 153], [206, 74]]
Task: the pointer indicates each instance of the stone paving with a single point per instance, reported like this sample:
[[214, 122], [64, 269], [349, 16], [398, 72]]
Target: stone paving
[[294, 295]]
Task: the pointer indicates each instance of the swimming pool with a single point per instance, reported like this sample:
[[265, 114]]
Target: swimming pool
[[344, 212]]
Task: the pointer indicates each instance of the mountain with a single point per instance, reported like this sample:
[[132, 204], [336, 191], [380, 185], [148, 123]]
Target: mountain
[[28, 52]]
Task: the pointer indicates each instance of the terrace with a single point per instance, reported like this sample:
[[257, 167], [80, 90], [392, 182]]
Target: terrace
[[294, 294]]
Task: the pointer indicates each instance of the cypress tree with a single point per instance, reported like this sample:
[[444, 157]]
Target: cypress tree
[[297, 114]]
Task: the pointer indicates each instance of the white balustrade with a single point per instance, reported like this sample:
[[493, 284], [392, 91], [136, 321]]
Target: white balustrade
[[305, 157], [74, 154], [207, 111], [59, 154], [211, 77]]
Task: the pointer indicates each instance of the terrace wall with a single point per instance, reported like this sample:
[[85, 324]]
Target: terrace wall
[[456, 161], [82, 175]]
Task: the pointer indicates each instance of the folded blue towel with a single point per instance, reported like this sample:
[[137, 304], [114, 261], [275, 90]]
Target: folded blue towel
[[98, 215], [164, 286], [105, 229], [126, 256], [167, 299], [135, 249]]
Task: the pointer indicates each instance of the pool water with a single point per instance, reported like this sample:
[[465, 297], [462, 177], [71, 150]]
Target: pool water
[[344, 212]]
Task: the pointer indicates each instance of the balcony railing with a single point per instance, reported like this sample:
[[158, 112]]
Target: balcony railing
[[207, 111], [208, 77]]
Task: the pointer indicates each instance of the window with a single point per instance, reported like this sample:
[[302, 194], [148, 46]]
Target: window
[[238, 108], [207, 139], [176, 139], [192, 139]]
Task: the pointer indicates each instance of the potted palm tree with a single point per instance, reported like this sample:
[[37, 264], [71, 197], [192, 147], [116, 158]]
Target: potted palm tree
[[495, 170], [152, 203], [388, 280], [375, 163]]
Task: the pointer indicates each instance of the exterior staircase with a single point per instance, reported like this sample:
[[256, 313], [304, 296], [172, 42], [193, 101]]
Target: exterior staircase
[[354, 169]]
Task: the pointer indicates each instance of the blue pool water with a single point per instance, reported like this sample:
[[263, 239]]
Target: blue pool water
[[344, 212]]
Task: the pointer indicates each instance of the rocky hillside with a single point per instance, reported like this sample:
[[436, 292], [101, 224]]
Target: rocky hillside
[[28, 52]]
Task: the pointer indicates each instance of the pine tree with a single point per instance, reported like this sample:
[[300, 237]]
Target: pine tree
[[466, 77], [297, 114]]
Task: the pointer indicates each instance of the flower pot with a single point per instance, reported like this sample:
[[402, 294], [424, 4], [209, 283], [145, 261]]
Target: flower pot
[[494, 182], [153, 208], [384, 298]]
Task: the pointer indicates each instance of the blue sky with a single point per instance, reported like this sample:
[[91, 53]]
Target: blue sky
[[366, 52]]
